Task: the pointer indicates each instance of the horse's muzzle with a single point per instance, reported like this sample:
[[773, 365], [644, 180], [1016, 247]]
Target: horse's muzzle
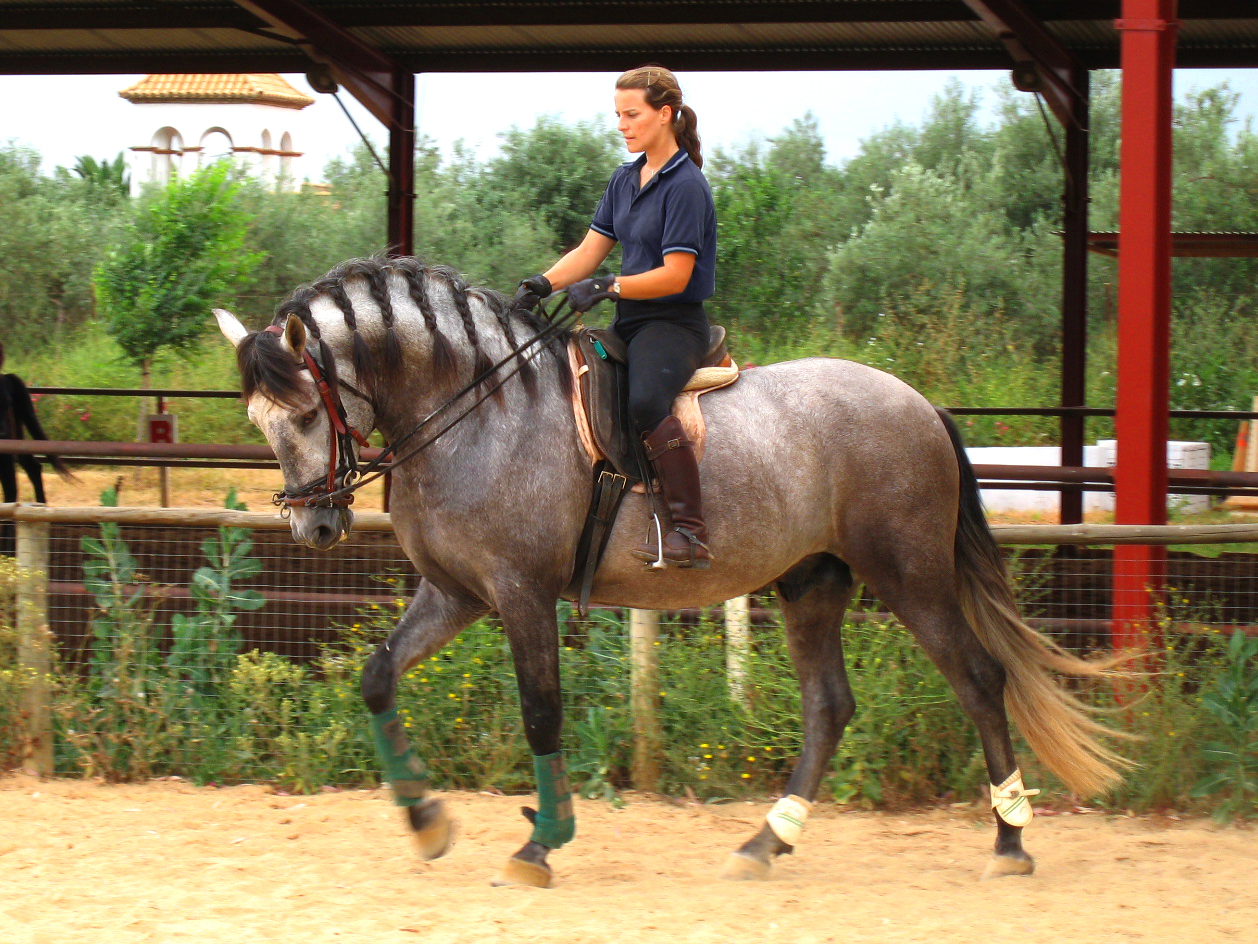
[[321, 528]]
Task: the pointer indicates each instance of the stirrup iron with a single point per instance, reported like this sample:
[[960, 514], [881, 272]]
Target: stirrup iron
[[659, 563]]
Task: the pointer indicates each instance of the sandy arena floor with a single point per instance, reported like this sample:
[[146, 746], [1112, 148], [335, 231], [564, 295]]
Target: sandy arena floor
[[168, 862]]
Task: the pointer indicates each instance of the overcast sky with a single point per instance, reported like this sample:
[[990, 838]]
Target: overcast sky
[[67, 116]]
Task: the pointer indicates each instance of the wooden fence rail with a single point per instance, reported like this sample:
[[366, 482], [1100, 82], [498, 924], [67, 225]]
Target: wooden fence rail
[[33, 523]]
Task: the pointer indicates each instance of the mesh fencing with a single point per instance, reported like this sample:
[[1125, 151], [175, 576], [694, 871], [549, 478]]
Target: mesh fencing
[[225, 655]]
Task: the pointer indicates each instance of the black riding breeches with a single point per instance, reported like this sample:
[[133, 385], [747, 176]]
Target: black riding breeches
[[662, 358]]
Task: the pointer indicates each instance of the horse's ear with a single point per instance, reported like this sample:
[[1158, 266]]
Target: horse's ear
[[231, 327], [295, 337]]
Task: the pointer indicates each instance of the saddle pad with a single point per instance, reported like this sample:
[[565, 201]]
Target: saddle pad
[[686, 407]]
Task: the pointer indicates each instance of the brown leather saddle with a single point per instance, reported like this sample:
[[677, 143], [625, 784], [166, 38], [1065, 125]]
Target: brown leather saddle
[[604, 392], [600, 358]]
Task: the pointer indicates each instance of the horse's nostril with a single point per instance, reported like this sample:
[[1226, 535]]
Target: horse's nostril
[[323, 536]]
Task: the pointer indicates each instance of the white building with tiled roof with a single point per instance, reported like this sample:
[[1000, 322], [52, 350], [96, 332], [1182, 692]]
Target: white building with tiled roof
[[191, 120]]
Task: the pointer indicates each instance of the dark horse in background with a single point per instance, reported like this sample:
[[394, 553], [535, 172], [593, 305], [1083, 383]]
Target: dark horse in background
[[818, 474]]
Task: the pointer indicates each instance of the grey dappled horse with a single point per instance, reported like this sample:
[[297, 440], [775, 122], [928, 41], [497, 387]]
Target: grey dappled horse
[[817, 474]]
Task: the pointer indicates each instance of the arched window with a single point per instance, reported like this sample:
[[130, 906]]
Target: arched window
[[216, 144], [286, 160], [167, 155]]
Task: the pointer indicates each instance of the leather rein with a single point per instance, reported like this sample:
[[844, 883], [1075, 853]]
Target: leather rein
[[345, 475]]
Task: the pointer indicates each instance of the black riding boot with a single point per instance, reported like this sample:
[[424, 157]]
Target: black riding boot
[[673, 458]]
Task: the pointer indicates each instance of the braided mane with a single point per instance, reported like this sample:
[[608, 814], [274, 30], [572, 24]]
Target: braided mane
[[265, 365]]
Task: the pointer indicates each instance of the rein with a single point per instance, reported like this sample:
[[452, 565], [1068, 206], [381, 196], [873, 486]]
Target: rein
[[345, 476]]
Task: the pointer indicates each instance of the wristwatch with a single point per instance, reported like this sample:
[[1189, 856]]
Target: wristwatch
[[616, 286]]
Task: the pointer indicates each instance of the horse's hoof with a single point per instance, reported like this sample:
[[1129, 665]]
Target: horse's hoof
[[522, 872], [999, 866], [431, 829], [743, 868]]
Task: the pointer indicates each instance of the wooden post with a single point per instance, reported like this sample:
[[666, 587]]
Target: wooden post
[[737, 647], [644, 698], [34, 644]]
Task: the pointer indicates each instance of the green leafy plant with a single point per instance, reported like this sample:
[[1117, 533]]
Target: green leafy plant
[[1233, 758], [115, 724], [206, 642]]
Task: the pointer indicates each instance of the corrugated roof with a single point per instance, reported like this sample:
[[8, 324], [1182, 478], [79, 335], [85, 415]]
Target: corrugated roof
[[262, 88], [80, 36]]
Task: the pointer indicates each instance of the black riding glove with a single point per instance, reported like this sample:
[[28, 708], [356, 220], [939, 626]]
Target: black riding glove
[[532, 290], [587, 293]]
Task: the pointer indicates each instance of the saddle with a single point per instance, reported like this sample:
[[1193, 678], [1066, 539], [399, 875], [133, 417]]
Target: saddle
[[600, 404], [600, 396]]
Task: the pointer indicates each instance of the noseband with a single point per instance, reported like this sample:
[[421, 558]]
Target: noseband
[[332, 490]]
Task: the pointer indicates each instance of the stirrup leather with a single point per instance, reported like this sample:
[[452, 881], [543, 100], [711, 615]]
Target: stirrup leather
[[1011, 800]]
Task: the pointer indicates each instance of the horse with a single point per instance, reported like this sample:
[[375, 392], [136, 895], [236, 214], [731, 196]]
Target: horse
[[818, 474]]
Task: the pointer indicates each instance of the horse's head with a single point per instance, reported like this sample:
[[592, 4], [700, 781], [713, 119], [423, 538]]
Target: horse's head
[[284, 401]]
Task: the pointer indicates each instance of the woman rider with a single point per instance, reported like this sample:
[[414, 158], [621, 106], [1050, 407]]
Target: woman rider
[[659, 208]]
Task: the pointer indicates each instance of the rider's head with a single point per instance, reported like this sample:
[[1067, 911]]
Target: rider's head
[[660, 91]]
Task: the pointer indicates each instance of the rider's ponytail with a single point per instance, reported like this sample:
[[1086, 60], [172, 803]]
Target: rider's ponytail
[[660, 88]]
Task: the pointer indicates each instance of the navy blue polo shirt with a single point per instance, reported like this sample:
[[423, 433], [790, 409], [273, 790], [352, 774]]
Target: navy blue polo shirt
[[672, 213]]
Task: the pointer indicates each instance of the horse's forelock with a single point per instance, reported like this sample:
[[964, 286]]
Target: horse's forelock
[[266, 367]]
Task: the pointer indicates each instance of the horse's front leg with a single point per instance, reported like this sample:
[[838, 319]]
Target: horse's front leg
[[431, 620], [533, 634]]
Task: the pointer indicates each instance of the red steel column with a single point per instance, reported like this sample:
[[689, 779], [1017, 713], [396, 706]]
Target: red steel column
[[1144, 306]]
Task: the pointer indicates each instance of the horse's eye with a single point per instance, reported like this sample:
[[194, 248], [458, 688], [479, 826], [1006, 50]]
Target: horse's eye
[[309, 417]]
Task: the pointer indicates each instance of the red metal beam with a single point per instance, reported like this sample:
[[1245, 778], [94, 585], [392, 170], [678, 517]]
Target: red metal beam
[[1148, 30]]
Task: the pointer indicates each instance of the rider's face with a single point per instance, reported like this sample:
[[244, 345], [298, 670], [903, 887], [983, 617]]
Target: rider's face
[[642, 126]]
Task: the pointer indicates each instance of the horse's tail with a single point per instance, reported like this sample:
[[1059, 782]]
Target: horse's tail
[[1060, 729]]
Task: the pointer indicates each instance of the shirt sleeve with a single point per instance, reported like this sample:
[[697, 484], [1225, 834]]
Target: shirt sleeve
[[604, 222], [685, 210]]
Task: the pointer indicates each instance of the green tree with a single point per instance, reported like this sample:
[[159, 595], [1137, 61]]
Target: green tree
[[557, 170], [106, 176], [184, 253], [55, 231], [777, 211], [928, 234]]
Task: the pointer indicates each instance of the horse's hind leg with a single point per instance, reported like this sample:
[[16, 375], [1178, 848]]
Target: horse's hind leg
[[432, 619], [928, 607], [814, 596]]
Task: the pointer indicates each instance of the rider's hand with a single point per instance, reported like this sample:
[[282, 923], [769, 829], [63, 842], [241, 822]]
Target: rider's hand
[[587, 293], [532, 290]]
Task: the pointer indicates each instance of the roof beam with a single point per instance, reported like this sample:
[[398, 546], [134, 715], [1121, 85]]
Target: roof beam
[[1041, 63], [365, 71]]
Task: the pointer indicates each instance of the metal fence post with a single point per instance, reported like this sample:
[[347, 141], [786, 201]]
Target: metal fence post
[[34, 643], [737, 646], [644, 698]]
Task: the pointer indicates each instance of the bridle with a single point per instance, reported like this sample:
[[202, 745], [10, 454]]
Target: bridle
[[329, 491], [345, 476]]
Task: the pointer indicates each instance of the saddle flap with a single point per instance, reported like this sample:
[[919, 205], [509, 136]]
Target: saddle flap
[[604, 394]]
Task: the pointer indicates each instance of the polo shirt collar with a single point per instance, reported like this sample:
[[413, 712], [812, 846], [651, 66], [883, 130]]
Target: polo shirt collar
[[672, 162]]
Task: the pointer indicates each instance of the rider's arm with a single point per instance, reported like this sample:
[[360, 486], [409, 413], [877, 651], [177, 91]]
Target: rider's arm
[[669, 279], [581, 262]]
